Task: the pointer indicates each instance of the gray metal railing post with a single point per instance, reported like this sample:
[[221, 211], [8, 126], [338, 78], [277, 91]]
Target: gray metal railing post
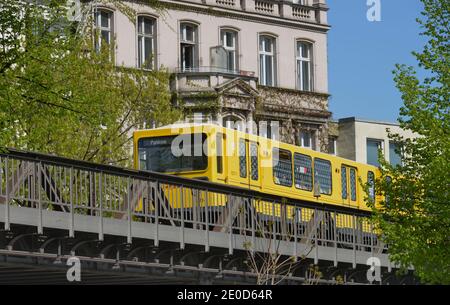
[[335, 237], [71, 224], [230, 226], [273, 227], [252, 213], [206, 222], [182, 218], [38, 174], [316, 242], [295, 233], [91, 193], [354, 240], [7, 225], [156, 184], [371, 240], [129, 239], [100, 220], [195, 208]]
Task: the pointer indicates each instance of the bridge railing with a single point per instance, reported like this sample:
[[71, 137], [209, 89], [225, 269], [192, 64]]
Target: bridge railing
[[49, 183]]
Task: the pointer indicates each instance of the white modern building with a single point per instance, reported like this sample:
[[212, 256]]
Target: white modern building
[[360, 140], [233, 60]]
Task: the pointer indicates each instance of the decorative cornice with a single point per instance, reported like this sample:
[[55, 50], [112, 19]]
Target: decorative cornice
[[289, 111], [294, 91], [243, 15]]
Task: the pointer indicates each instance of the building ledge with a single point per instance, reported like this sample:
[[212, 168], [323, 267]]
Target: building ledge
[[285, 12], [293, 91]]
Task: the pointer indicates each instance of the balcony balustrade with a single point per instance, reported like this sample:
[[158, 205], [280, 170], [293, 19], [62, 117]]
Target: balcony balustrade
[[310, 10]]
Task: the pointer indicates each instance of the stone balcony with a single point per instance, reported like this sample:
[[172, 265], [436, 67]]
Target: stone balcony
[[314, 12], [207, 79]]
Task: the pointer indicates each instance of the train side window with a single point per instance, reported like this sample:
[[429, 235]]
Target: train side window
[[353, 184], [303, 172], [371, 183], [219, 152], [344, 182], [322, 175], [242, 159], [254, 161], [282, 167]]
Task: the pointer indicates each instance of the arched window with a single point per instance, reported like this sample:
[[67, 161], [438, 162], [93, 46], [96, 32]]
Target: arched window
[[267, 61], [229, 41], [233, 122], [146, 42], [304, 66], [104, 27], [189, 46]]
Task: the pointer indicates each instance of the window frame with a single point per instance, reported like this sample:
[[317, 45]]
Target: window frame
[[252, 158], [193, 43], [234, 49], [205, 157], [371, 197], [344, 189], [399, 154], [380, 145], [262, 63], [353, 186], [273, 167], [237, 122], [312, 140], [331, 175], [98, 27], [334, 140], [153, 36], [299, 68], [312, 172], [242, 159]]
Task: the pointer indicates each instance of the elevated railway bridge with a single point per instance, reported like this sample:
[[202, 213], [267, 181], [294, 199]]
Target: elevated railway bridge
[[129, 226]]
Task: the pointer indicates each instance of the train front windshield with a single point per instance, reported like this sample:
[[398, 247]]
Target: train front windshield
[[181, 153]]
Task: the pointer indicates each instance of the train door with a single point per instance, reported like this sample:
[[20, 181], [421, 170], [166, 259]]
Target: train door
[[349, 192], [249, 163], [221, 166], [254, 168]]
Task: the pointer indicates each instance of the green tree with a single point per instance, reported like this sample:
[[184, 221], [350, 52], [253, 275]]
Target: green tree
[[59, 95], [415, 213]]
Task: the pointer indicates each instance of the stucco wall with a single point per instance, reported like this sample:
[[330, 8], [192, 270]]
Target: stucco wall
[[346, 140], [168, 43], [353, 135], [367, 130]]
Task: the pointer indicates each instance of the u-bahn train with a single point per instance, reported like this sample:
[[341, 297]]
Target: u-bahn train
[[221, 155]]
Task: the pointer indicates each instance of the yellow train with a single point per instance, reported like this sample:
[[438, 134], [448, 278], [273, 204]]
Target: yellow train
[[221, 155]]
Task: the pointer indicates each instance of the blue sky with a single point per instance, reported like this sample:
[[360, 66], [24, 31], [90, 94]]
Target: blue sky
[[362, 55]]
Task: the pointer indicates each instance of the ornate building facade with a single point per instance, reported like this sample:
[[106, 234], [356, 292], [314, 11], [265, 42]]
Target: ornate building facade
[[234, 62]]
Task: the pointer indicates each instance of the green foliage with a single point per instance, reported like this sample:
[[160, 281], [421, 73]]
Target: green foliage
[[415, 215], [58, 95]]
